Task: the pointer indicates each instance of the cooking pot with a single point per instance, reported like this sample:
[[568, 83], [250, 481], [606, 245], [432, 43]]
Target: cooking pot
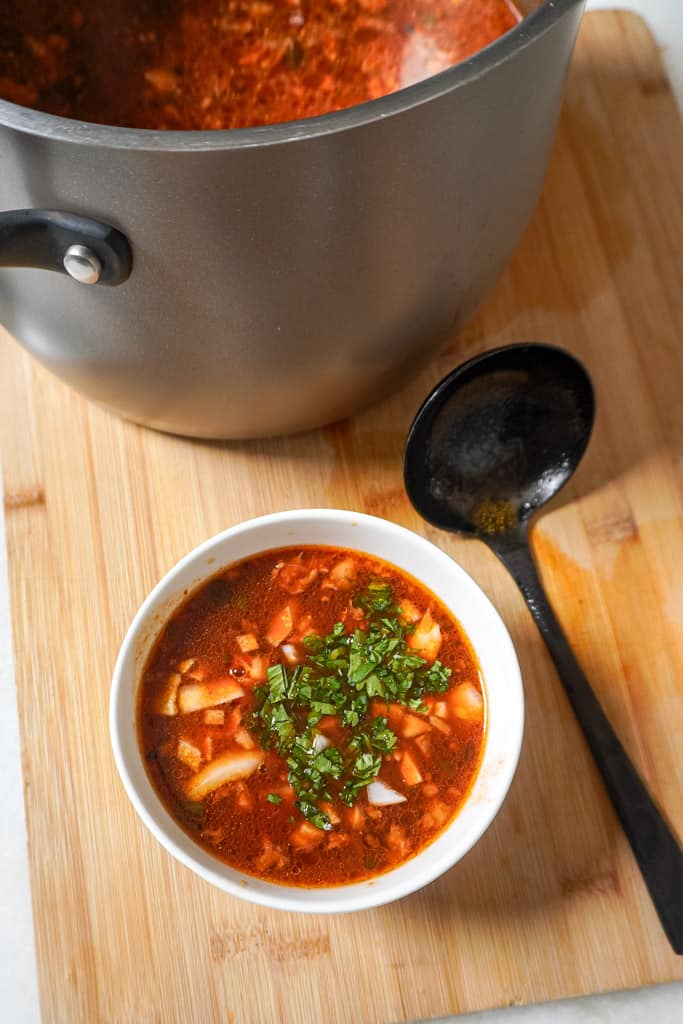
[[265, 280]]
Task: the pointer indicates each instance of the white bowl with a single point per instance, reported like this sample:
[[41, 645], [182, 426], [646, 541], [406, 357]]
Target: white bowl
[[438, 572]]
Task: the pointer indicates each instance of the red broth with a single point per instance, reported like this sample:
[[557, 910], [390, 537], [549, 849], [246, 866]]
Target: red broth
[[205, 64], [235, 788]]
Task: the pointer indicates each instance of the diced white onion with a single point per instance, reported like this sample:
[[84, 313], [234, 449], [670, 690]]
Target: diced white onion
[[290, 653], [198, 696], [167, 703], [245, 739], [189, 754], [382, 795], [226, 768], [320, 742]]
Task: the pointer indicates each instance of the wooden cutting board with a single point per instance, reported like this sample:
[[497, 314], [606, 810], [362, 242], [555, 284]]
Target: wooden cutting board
[[549, 903]]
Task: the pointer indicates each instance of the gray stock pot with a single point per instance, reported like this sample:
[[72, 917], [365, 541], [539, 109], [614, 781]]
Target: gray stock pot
[[266, 280]]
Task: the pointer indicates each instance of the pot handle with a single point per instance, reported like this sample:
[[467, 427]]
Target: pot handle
[[84, 249]]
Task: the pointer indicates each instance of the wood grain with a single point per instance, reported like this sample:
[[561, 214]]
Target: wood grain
[[549, 903]]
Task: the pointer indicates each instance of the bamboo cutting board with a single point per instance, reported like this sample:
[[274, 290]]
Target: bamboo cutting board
[[549, 903]]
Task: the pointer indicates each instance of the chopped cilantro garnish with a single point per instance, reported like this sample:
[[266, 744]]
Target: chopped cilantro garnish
[[274, 798], [377, 597], [277, 683], [314, 815], [342, 674], [381, 737]]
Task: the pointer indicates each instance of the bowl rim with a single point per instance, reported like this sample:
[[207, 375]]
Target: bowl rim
[[333, 899], [531, 27]]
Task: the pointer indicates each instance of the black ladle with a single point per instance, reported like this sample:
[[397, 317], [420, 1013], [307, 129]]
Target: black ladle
[[491, 444]]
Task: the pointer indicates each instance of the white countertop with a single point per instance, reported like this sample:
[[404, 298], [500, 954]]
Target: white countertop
[[662, 1004]]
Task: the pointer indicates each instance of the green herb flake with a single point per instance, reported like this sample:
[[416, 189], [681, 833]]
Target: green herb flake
[[274, 798], [314, 815], [277, 683], [194, 810]]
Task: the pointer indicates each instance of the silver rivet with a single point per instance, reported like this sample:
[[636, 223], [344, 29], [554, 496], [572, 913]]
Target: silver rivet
[[82, 264]]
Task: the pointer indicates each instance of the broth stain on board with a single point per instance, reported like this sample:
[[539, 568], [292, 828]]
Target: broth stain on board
[[226, 944], [375, 458], [596, 882], [31, 497], [387, 504], [613, 530]]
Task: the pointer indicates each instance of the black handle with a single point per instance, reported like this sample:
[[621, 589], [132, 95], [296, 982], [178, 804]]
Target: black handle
[[656, 849], [82, 248]]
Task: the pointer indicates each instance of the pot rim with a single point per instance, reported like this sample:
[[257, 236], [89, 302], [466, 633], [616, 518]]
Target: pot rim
[[63, 129]]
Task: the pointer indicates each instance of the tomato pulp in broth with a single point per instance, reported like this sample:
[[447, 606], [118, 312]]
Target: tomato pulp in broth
[[230, 748], [207, 64]]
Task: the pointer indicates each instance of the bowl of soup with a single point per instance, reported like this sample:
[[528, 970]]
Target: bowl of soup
[[242, 219], [317, 710]]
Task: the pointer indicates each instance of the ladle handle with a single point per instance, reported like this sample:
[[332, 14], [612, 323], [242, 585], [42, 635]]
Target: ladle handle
[[656, 849]]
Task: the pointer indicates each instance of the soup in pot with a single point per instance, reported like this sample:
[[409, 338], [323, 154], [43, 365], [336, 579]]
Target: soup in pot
[[312, 716], [210, 64]]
